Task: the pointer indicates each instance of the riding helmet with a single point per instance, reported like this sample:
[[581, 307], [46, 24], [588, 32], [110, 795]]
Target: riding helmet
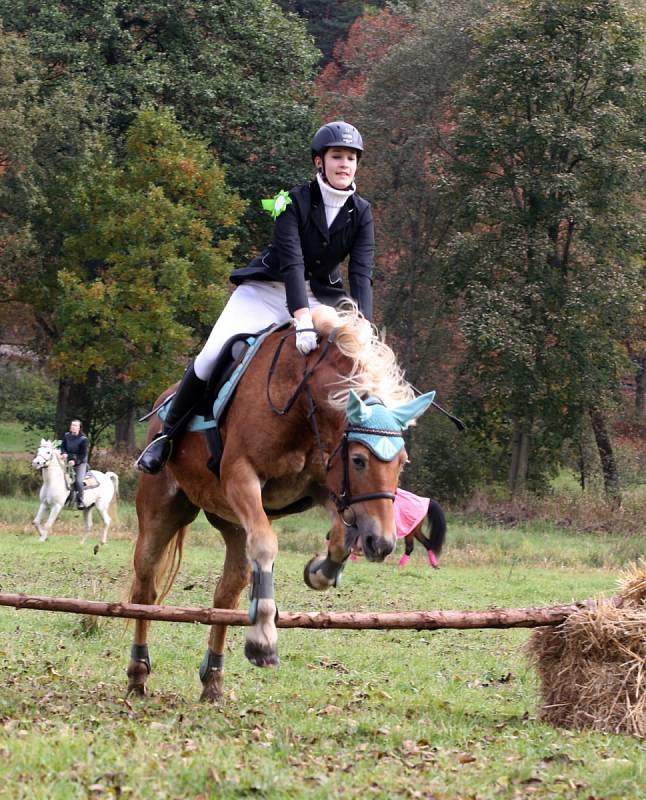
[[336, 134]]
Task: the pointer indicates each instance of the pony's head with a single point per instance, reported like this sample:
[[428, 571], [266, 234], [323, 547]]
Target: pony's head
[[363, 473]]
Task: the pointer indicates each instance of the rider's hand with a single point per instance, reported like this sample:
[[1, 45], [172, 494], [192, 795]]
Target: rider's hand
[[306, 340], [71, 462]]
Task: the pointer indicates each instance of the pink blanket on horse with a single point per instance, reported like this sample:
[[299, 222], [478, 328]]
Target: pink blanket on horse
[[410, 510]]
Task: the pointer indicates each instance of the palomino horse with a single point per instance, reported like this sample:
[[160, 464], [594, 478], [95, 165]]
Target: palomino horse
[[296, 434], [55, 492]]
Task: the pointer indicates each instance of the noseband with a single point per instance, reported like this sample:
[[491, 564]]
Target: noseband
[[344, 499]]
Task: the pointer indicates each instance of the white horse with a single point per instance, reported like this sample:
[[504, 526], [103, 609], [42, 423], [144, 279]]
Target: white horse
[[55, 491]]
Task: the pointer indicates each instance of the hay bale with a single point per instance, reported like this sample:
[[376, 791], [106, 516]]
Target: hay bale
[[592, 667]]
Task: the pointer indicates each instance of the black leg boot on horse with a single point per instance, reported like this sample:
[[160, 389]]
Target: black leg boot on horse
[[188, 394]]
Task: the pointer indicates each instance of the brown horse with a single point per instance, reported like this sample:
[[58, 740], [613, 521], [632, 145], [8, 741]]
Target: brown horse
[[290, 437]]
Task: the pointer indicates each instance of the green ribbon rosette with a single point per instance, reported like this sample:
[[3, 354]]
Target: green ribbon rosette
[[277, 204]]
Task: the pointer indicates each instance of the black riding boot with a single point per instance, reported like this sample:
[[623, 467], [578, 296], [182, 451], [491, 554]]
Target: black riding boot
[[155, 456]]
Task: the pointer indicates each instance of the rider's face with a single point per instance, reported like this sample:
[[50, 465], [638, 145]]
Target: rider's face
[[340, 166], [75, 427]]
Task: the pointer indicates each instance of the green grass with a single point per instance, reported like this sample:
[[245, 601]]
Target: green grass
[[14, 439], [447, 714]]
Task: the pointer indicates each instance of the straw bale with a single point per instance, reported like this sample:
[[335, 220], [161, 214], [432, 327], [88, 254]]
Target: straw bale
[[633, 583], [592, 667]]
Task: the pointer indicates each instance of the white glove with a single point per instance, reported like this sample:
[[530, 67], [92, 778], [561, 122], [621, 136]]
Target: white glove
[[306, 340]]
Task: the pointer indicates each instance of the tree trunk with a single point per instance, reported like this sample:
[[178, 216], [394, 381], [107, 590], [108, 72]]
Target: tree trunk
[[124, 431], [607, 456], [75, 401], [519, 457]]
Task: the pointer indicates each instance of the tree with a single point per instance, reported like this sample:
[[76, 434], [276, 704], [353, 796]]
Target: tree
[[236, 72], [328, 21], [45, 133], [146, 260], [547, 150]]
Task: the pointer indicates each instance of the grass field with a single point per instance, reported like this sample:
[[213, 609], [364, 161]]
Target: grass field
[[439, 715]]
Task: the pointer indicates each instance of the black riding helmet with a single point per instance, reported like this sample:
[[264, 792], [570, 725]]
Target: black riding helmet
[[336, 134]]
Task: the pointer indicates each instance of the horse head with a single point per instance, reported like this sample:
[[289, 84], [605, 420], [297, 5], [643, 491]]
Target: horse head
[[363, 472], [44, 454]]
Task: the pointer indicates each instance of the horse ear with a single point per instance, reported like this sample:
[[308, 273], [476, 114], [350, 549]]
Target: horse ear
[[43, 442], [407, 413], [356, 410]]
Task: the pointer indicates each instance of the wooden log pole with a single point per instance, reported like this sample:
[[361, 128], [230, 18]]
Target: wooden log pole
[[344, 620]]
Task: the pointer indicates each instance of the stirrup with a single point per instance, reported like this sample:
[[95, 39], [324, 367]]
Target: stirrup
[[155, 455]]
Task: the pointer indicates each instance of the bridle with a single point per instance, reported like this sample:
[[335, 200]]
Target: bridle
[[344, 499]]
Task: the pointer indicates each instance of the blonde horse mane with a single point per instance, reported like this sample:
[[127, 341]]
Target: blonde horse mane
[[375, 369]]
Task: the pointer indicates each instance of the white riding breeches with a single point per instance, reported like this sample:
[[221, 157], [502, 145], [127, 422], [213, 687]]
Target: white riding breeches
[[252, 306]]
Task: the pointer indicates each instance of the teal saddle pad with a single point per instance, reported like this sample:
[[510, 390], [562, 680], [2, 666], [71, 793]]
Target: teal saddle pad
[[200, 422]]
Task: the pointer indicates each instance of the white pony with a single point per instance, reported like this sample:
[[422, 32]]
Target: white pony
[[55, 491]]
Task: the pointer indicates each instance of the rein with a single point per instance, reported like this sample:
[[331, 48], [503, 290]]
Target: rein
[[344, 499]]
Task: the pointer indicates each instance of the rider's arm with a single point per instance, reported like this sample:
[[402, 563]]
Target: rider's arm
[[362, 262], [287, 241]]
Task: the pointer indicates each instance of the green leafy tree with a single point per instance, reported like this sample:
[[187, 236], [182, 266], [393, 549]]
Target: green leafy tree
[[547, 152], [236, 72], [146, 261], [45, 134]]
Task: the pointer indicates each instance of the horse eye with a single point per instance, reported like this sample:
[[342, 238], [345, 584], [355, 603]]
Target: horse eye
[[358, 462]]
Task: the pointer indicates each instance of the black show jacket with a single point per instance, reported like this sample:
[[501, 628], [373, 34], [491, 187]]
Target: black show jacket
[[303, 249]]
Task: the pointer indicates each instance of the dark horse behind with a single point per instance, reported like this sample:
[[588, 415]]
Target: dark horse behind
[[297, 432]]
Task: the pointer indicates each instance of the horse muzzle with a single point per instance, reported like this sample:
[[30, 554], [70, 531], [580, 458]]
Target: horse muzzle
[[376, 547]]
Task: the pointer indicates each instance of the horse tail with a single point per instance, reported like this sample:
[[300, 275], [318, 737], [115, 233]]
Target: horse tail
[[437, 526], [169, 564], [113, 510]]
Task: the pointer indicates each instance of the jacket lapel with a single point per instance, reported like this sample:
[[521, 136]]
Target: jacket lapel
[[318, 210], [343, 217]]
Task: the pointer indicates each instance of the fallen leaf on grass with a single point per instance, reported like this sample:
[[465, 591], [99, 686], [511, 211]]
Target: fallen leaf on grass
[[466, 758]]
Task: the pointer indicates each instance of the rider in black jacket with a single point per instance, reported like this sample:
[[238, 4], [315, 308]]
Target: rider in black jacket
[[75, 447], [318, 225]]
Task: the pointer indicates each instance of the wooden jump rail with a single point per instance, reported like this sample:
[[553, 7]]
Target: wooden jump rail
[[345, 620]]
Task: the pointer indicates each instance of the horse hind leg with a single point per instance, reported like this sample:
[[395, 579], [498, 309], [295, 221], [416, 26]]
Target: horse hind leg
[[87, 524], [235, 576], [164, 514]]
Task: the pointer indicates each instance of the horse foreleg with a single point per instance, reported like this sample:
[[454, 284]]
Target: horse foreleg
[[51, 519], [410, 546], [235, 576], [243, 491], [36, 521], [324, 571]]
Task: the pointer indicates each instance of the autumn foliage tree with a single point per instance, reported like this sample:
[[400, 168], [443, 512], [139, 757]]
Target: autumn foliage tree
[[146, 262]]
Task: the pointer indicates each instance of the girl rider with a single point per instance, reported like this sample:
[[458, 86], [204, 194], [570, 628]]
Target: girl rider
[[319, 225]]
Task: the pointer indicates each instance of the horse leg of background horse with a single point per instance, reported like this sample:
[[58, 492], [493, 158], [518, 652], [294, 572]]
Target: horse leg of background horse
[[51, 519], [36, 521], [87, 523], [164, 512], [410, 546], [242, 490], [235, 576]]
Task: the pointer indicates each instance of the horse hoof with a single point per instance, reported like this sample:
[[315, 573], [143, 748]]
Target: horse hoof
[[261, 656], [213, 689], [137, 677]]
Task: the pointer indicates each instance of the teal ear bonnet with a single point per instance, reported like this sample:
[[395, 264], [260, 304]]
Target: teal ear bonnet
[[378, 427]]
